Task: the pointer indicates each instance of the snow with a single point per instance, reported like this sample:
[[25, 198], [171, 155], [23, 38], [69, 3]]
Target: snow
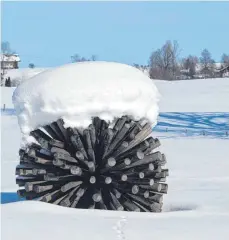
[[197, 204], [200, 95], [43, 221], [10, 57], [79, 91], [19, 75]]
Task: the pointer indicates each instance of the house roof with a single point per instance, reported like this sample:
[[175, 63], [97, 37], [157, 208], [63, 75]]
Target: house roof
[[9, 58], [224, 68]]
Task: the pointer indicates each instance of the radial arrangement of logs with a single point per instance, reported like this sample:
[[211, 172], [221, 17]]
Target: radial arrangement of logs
[[113, 167]]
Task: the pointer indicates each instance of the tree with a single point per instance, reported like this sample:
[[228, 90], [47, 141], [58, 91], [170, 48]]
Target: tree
[[189, 64], [78, 58], [207, 63], [75, 58], [93, 57], [5, 47], [31, 65], [164, 61], [225, 60]]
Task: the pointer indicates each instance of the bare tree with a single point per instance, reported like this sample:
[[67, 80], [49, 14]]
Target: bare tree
[[78, 58], [164, 61], [75, 58], [208, 63], [225, 60], [189, 64], [94, 57], [136, 65], [5, 47]]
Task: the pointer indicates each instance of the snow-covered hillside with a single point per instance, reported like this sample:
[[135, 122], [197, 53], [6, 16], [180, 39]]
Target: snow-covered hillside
[[197, 203]]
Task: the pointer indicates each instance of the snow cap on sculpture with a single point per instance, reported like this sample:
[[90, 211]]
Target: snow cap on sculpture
[[79, 91]]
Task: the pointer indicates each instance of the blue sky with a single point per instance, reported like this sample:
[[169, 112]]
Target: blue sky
[[49, 33]]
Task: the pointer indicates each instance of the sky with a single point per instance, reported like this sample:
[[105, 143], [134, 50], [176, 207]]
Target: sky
[[49, 33]]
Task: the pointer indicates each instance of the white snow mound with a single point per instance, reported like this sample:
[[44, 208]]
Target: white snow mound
[[79, 91]]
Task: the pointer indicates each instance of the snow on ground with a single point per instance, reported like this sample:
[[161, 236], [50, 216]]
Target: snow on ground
[[196, 206], [19, 75], [44, 221], [197, 203], [200, 95]]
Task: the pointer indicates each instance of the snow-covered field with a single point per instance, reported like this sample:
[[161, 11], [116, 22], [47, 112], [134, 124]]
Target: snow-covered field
[[193, 127]]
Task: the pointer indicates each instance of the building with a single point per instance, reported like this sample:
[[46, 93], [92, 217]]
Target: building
[[224, 72], [9, 61]]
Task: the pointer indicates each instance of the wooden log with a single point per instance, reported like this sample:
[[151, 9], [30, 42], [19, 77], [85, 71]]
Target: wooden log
[[59, 150], [97, 197], [90, 151], [124, 177], [156, 197], [156, 207], [59, 200], [77, 142], [92, 180], [139, 181], [79, 195], [116, 193], [21, 181], [28, 195], [51, 132], [108, 180], [29, 185], [135, 129], [91, 166], [59, 178], [153, 144], [142, 208], [107, 141], [118, 138], [39, 189], [140, 200], [116, 203], [129, 205], [54, 126], [75, 170], [120, 123], [92, 135], [65, 157], [146, 130], [124, 145], [31, 152], [152, 158], [56, 143], [70, 185], [126, 162], [135, 189], [37, 134], [153, 188], [63, 131], [51, 196], [111, 162]]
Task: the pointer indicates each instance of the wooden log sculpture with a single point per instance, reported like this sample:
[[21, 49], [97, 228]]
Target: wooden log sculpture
[[101, 167]]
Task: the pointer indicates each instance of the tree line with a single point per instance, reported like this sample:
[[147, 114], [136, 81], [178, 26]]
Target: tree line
[[165, 64]]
